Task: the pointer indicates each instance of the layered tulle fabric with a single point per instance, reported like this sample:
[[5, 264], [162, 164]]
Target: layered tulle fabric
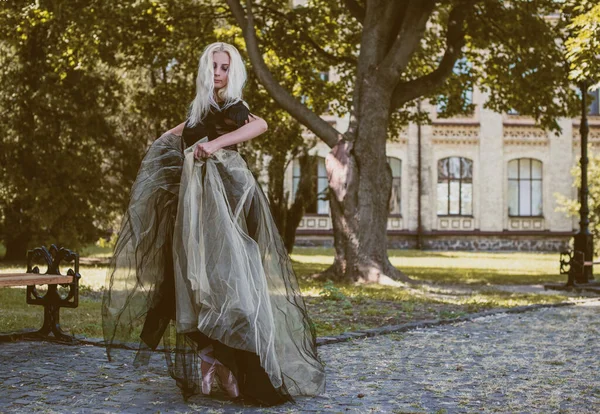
[[198, 249]]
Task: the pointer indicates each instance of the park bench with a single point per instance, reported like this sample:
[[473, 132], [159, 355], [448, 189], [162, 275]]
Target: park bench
[[573, 264], [52, 300]]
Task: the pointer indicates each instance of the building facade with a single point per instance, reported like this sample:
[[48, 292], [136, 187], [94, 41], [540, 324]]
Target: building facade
[[489, 181]]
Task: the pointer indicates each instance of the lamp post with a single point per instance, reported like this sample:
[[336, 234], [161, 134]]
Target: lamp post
[[583, 239], [419, 179]]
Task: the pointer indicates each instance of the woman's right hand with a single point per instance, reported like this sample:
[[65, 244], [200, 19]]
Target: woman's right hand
[[205, 150]]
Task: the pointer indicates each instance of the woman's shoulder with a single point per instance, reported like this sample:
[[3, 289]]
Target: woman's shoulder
[[199, 126], [192, 133], [240, 105], [238, 112], [178, 130]]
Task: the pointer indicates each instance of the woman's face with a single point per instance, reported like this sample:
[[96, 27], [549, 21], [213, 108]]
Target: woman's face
[[221, 69]]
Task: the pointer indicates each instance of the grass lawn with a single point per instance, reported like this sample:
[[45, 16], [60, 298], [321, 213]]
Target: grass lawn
[[469, 268], [454, 283]]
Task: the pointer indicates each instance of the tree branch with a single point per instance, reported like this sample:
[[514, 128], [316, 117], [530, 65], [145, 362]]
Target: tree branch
[[371, 43], [334, 59], [398, 11], [315, 123], [455, 40], [356, 10], [407, 39]]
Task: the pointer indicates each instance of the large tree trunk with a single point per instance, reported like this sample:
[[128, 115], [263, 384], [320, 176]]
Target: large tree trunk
[[359, 178], [16, 249], [306, 195], [360, 183], [288, 219], [16, 236]]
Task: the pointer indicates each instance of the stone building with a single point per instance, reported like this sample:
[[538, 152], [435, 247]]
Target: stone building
[[488, 182]]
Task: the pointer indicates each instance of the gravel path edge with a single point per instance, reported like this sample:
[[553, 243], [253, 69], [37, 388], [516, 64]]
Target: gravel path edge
[[429, 323]]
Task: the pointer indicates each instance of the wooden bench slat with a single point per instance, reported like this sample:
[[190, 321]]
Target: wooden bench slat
[[26, 279]]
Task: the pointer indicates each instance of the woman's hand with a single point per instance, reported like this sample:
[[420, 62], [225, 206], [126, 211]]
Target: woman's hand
[[206, 149]]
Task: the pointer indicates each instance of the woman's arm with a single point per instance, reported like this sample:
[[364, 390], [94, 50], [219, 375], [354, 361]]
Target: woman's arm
[[253, 128]]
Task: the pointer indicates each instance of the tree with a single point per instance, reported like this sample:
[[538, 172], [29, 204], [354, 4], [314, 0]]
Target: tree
[[133, 65], [88, 86], [159, 44], [58, 103], [389, 54]]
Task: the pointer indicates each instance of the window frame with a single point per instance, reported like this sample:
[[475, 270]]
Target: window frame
[[296, 179], [531, 180], [399, 181], [460, 182]]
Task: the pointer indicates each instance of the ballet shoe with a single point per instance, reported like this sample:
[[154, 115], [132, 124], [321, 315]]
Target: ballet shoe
[[208, 375], [228, 381]]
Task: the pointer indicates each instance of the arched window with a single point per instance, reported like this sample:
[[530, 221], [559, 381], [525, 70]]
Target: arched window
[[395, 199], [322, 187], [296, 175], [321, 206], [455, 187], [524, 187]]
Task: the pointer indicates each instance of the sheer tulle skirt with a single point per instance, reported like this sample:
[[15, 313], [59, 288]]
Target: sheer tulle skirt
[[198, 250]]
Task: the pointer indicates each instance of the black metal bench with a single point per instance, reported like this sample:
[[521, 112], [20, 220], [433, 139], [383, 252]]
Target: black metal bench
[[573, 264], [52, 300]]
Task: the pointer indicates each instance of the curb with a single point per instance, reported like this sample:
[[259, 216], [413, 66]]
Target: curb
[[389, 329], [430, 323]]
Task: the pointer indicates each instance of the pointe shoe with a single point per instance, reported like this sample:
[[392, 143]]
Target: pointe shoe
[[228, 381], [208, 375]]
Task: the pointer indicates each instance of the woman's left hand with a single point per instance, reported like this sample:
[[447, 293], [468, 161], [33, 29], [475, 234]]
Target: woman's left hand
[[205, 150]]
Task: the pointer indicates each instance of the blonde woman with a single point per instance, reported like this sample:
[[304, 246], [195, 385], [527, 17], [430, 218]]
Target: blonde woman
[[198, 251]]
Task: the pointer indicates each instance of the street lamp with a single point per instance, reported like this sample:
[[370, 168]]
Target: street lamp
[[583, 239]]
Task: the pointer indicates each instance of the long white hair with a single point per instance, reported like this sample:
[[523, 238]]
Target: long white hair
[[205, 86]]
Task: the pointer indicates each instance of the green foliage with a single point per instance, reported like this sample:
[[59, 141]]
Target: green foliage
[[521, 62], [331, 292], [303, 42], [583, 42], [571, 206], [512, 52], [86, 87], [108, 243], [59, 100]]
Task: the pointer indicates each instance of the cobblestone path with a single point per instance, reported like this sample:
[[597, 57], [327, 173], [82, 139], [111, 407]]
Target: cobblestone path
[[545, 361]]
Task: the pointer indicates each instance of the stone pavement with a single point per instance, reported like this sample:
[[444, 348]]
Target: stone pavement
[[543, 361]]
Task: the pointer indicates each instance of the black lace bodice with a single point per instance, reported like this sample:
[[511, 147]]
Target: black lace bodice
[[217, 123]]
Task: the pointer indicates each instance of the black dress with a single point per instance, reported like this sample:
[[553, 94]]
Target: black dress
[[198, 251], [217, 123]]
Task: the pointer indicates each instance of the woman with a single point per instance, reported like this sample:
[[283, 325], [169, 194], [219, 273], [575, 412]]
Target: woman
[[198, 249]]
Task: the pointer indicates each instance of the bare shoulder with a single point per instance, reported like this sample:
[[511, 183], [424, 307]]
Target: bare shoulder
[[178, 130]]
